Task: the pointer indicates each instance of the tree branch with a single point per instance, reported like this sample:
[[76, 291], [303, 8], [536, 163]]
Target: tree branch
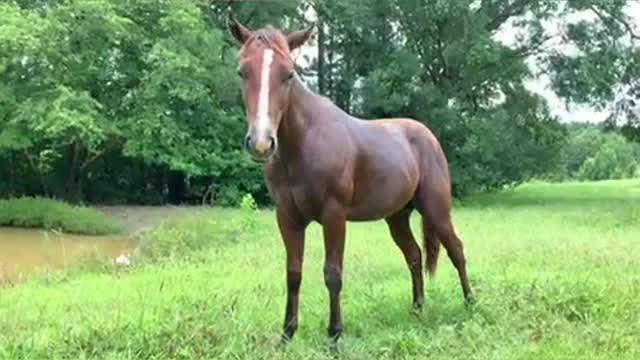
[[538, 47], [515, 8], [93, 157], [221, 9], [440, 49], [621, 21]]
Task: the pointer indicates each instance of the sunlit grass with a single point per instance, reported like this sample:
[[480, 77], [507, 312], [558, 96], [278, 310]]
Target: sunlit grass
[[555, 269]]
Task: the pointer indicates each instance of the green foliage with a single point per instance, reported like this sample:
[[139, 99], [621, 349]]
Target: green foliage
[[564, 292], [604, 67], [248, 206], [583, 144], [51, 214], [596, 155], [439, 62], [138, 102], [150, 84], [609, 163], [248, 203]]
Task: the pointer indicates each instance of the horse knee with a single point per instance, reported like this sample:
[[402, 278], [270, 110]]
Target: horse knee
[[332, 279]]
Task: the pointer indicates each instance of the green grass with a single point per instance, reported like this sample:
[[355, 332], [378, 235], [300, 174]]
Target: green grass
[[555, 269], [52, 214]]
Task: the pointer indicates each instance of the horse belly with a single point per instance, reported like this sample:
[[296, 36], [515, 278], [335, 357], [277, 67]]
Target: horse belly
[[376, 210], [386, 195]]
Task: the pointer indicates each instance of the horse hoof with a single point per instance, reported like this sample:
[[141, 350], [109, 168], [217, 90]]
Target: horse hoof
[[418, 306], [283, 343], [334, 348], [469, 301]]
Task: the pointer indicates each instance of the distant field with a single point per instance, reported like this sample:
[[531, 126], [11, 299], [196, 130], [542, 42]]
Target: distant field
[[555, 269]]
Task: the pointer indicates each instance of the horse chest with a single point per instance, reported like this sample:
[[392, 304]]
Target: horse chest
[[305, 192], [310, 194]]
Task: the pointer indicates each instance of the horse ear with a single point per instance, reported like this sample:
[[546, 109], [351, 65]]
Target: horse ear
[[297, 38], [237, 30]]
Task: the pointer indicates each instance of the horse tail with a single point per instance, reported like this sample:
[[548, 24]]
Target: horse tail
[[431, 247]]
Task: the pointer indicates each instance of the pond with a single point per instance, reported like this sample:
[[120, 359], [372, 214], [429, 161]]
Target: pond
[[23, 251]]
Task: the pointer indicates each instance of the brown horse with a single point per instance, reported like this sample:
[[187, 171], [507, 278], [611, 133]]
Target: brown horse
[[321, 164]]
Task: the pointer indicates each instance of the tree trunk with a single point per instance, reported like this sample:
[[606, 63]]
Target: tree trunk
[[73, 187], [321, 66], [12, 174], [176, 187], [76, 189], [330, 86]]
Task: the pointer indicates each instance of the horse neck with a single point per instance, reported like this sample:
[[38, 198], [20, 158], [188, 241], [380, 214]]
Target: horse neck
[[295, 120]]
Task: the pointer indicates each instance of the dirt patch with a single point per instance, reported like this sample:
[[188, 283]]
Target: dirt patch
[[139, 218]]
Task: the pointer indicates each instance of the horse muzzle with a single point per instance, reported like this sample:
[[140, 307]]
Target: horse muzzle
[[260, 147]]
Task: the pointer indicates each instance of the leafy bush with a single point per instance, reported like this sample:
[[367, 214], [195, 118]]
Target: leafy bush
[[595, 155], [52, 214], [606, 164], [583, 143], [248, 207]]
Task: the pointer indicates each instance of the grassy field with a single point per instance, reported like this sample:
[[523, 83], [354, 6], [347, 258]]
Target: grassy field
[[49, 214], [555, 269]]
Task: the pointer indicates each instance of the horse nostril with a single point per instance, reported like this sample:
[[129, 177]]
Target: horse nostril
[[247, 142], [272, 146]]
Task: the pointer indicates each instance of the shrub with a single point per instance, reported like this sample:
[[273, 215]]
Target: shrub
[[614, 159], [52, 214]]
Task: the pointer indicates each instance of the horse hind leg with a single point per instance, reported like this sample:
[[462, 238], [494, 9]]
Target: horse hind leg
[[400, 230], [435, 207], [455, 251]]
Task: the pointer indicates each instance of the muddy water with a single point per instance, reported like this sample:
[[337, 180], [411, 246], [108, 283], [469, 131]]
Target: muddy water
[[24, 251]]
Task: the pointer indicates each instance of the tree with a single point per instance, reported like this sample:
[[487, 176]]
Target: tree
[[603, 70], [148, 80], [437, 61], [595, 155], [49, 114], [138, 101]]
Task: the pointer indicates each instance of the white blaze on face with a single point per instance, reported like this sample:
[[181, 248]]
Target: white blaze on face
[[262, 117]]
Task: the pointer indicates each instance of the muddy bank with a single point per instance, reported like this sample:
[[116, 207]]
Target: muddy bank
[[24, 251]]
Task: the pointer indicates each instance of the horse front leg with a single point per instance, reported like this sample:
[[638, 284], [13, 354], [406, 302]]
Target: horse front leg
[[293, 236], [333, 228]]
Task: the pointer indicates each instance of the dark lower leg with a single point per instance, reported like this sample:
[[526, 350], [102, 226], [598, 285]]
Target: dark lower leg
[[293, 237], [333, 281], [459, 262], [333, 226], [294, 279], [456, 254], [418, 290]]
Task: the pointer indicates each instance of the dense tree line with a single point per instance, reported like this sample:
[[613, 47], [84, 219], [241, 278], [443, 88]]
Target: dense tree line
[[138, 101]]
